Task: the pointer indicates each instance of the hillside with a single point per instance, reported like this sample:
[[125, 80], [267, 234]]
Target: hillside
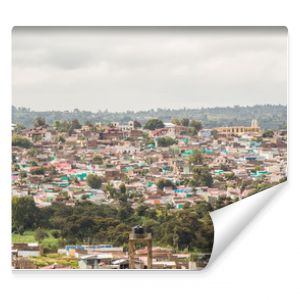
[[268, 116]]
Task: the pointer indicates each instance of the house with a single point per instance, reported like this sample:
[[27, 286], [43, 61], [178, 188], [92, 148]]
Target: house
[[95, 261], [27, 249]]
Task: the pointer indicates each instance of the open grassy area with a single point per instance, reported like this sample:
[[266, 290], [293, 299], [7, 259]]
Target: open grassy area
[[49, 243], [26, 237]]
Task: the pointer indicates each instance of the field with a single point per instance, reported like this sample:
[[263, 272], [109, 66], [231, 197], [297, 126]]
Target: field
[[49, 243]]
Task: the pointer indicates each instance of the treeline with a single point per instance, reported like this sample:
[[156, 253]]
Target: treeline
[[269, 116], [188, 228]]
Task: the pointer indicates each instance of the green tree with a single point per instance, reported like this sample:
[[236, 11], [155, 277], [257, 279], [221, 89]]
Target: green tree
[[202, 176], [38, 171], [122, 188], [97, 160], [162, 183], [185, 122], [214, 134], [39, 122], [24, 213], [75, 124], [196, 124], [196, 158], [21, 141], [165, 141], [153, 124], [268, 134], [40, 234], [61, 139], [175, 121], [94, 181], [137, 124]]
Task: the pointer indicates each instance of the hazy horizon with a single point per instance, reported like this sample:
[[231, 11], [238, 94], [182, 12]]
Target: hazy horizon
[[123, 69], [150, 109]]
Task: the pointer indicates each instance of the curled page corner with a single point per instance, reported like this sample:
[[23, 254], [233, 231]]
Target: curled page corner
[[231, 220]]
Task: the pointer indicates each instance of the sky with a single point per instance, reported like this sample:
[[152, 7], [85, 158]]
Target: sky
[[123, 68]]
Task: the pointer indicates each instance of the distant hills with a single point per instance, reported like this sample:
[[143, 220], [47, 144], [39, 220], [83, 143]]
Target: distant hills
[[268, 116]]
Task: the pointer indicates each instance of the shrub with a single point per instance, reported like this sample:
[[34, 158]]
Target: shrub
[[20, 141], [40, 234], [94, 181]]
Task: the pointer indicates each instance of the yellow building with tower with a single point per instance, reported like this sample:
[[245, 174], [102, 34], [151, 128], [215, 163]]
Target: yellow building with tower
[[240, 130]]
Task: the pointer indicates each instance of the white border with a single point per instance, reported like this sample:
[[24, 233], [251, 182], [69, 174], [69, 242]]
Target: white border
[[263, 262]]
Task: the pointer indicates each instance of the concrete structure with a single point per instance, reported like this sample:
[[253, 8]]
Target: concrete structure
[[27, 249], [138, 235]]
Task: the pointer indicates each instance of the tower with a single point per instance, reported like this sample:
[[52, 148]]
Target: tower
[[138, 235], [254, 123]]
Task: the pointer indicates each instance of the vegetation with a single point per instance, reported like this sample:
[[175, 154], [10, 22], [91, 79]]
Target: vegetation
[[26, 237], [47, 238], [51, 259], [268, 116], [39, 122], [196, 124], [24, 214], [154, 124], [268, 134], [40, 234], [94, 181], [38, 171], [97, 160], [165, 141], [162, 183], [202, 176], [196, 158], [189, 228], [20, 141]]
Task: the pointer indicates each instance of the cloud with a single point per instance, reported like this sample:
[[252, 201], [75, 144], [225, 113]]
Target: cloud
[[143, 68]]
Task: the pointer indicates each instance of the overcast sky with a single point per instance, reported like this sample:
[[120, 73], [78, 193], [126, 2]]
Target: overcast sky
[[123, 69]]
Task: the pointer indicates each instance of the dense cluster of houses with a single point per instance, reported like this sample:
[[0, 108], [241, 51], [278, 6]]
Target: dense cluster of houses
[[131, 155], [57, 166], [95, 257]]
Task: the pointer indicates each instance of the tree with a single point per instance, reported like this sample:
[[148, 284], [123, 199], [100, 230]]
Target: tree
[[162, 183], [21, 141], [24, 213], [75, 124], [39, 122], [268, 134], [94, 181], [196, 124], [109, 188], [97, 160], [165, 141], [137, 124], [57, 125], [185, 122], [153, 124], [196, 158], [38, 171], [122, 188], [175, 121], [61, 139], [214, 134], [40, 234], [202, 176]]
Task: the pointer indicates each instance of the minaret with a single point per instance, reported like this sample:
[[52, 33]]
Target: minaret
[[254, 123]]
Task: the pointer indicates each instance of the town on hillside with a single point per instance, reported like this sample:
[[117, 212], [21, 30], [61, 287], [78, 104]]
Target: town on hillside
[[130, 195]]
